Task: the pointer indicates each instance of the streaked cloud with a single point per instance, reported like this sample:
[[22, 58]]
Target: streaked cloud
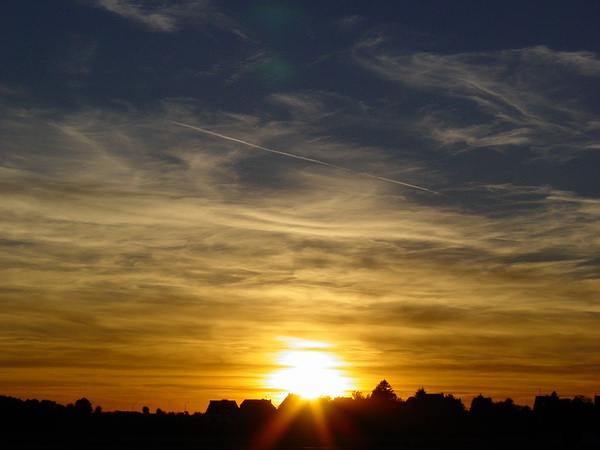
[[170, 16], [534, 96]]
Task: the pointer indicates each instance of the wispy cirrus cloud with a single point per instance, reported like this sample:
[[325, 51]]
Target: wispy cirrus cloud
[[168, 17], [533, 97], [112, 171]]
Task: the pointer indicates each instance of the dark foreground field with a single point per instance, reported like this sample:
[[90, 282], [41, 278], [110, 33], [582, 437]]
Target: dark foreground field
[[586, 441]]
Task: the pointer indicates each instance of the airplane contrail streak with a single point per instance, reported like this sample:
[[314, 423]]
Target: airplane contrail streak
[[303, 158]]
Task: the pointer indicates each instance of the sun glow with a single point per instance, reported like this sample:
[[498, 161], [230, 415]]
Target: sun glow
[[309, 373]]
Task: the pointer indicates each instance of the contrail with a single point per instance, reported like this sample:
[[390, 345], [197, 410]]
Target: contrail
[[303, 158]]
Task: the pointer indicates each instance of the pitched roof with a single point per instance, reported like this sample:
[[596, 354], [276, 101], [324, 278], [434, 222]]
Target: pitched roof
[[257, 406], [222, 407]]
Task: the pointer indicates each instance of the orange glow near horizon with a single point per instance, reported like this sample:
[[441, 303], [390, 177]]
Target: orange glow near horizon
[[309, 372]]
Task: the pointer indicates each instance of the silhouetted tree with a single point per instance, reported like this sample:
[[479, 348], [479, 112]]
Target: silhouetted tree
[[83, 407], [421, 394], [145, 410], [358, 396], [383, 392]]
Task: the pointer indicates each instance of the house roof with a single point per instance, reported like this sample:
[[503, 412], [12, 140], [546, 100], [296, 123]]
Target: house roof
[[259, 406], [222, 407]]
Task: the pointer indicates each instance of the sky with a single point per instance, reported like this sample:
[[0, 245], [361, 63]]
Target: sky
[[191, 190]]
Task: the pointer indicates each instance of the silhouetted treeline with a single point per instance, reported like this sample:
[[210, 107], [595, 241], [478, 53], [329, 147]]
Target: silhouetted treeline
[[377, 420]]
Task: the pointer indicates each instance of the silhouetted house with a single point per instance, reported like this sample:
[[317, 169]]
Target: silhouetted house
[[257, 408], [423, 403], [423, 400], [222, 410], [545, 402], [481, 406], [292, 402], [540, 402]]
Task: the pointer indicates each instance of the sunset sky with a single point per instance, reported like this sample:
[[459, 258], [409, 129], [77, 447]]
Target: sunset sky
[[407, 190]]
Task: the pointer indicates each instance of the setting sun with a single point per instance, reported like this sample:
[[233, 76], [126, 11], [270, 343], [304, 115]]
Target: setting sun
[[310, 374]]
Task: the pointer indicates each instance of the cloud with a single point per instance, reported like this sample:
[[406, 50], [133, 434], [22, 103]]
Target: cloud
[[133, 237], [113, 173], [168, 17], [533, 97], [160, 20]]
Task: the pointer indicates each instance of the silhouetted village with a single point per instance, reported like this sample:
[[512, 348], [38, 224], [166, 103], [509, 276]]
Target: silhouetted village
[[378, 420]]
